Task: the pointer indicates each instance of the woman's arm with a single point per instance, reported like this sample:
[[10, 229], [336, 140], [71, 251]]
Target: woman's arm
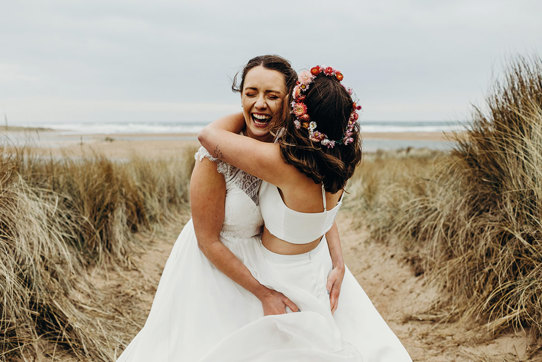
[[232, 123], [257, 158], [335, 277], [207, 196]]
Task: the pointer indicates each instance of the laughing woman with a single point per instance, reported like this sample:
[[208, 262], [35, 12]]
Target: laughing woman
[[206, 292]]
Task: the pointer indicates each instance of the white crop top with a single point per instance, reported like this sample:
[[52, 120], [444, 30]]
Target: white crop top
[[293, 226]]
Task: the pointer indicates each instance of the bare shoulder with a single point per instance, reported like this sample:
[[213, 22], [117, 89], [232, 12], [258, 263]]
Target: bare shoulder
[[205, 176]]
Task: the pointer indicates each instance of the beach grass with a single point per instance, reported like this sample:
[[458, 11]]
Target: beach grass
[[59, 217], [470, 220]]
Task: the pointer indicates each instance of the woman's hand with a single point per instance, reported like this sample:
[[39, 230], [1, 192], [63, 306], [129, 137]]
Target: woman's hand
[[333, 286], [274, 302]]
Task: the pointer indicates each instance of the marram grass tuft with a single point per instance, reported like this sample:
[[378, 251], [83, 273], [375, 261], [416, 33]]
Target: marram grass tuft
[[472, 220], [58, 217]]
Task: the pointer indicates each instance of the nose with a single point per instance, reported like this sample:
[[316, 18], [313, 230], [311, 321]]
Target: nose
[[260, 102]]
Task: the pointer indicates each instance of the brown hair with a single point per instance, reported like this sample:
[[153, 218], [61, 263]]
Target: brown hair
[[329, 104]]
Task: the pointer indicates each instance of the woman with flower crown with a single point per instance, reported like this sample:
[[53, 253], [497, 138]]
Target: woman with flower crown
[[304, 174]]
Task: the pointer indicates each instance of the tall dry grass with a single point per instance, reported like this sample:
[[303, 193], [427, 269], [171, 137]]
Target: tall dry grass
[[57, 218], [471, 220]]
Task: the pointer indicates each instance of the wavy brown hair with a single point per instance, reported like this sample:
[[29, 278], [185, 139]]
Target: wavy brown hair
[[328, 104]]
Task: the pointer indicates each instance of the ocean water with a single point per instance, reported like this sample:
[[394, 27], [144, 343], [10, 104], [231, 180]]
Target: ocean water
[[193, 127], [179, 130]]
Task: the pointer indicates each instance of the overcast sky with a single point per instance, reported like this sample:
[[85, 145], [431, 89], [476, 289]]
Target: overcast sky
[[132, 60]]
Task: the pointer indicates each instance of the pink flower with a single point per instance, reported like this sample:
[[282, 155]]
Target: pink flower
[[297, 124], [305, 77], [299, 109]]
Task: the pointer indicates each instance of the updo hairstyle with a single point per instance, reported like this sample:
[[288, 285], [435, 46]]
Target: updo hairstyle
[[328, 104]]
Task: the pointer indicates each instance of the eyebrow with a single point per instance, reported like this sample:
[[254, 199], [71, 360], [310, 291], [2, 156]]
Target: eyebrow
[[267, 91]]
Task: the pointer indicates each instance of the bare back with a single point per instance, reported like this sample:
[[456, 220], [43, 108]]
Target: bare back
[[300, 195]]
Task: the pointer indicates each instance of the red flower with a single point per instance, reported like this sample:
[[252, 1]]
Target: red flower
[[339, 76], [316, 70], [328, 71], [305, 117]]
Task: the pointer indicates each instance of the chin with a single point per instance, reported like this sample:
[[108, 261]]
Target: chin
[[257, 133]]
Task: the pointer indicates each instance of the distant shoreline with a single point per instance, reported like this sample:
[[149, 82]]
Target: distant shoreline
[[164, 145], [61, 134], [25, 129]]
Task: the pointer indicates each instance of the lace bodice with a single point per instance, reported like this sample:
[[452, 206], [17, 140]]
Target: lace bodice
[[242, 217]]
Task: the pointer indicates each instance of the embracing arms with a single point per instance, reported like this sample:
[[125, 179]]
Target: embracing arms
[[207, 195], [264, 161]]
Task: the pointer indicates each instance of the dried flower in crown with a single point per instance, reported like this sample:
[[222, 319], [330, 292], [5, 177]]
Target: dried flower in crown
[[299, 108]]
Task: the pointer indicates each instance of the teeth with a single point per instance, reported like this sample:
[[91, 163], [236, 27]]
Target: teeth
[[261, 117]]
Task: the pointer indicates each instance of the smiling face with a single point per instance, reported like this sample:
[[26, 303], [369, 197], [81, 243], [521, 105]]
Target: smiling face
[[262, 98]]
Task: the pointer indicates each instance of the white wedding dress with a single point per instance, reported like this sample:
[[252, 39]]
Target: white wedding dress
[[199, 314]]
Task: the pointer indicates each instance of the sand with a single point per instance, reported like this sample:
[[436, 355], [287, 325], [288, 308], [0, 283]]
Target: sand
[[159, 145]]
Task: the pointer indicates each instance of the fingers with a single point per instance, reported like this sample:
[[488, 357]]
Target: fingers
[[334, 299], [329, 283], [291, 305]]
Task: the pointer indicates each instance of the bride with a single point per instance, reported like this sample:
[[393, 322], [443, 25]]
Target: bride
[[206, 292]]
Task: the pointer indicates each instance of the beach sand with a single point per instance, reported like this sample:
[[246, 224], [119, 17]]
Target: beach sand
[[156, 145]]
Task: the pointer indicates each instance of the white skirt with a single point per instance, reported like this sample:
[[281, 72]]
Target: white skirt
[[194, 307], [199, 314], [355, 332]]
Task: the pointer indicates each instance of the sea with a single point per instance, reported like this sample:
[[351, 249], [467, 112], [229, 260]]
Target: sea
[[184, 130]]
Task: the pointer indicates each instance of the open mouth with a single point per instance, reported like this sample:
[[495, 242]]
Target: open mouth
[[260, 120]]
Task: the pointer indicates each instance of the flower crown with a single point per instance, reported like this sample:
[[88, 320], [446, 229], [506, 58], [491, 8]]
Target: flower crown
[[299, 108]]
